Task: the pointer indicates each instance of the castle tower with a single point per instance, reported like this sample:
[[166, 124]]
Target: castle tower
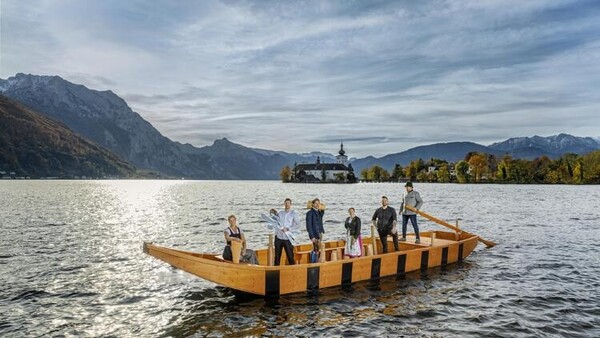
[[342, 158]]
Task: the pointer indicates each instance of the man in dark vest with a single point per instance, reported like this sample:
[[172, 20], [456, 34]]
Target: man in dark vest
[[385, 219]]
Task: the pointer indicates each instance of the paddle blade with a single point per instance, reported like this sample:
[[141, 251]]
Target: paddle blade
[[487, 243]]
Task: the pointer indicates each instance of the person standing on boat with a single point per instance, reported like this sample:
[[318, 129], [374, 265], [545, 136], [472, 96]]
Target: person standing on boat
[[353, 238], [411, 198], [314, 223], [235, 233], [291, 223], [385, 219]]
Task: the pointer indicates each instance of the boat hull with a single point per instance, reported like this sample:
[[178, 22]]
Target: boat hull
[[280, 280]]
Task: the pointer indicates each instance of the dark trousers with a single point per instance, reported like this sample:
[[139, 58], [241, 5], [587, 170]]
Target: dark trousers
[[413, 220], [383, 234], [289, 250]]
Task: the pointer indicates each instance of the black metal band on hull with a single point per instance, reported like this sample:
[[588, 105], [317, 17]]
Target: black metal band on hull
[[346, 274], [375, 268], [401, 265], [444, 256], [312, 278], [272, 283], [460, 252], [424, 260]]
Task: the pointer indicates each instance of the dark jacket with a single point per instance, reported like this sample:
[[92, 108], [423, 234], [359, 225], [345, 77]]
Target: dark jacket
[[385, 218], [314, 223], [353, 225]]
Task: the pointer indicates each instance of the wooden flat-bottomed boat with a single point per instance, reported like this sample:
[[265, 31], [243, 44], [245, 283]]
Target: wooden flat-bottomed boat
[[437, 248]]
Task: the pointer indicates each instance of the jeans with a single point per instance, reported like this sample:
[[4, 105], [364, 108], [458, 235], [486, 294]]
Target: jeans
[[413, 220], [289, 251], [383, 233]]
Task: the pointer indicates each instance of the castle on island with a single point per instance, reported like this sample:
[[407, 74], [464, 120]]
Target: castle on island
[[339, 172]]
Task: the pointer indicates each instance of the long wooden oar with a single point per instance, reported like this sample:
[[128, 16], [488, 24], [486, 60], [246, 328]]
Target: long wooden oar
[[487, 243]]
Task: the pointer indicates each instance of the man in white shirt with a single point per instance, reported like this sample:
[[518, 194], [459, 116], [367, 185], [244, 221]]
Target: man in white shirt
[[291, 224]]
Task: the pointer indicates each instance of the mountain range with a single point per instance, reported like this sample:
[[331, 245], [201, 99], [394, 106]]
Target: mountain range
[[36, 146], [519, 147], [106, 120]]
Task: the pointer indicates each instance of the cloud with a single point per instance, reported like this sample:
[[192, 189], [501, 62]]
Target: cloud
[[302, 76]]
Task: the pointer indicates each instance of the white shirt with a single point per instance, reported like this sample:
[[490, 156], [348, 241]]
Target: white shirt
[[289, 220]]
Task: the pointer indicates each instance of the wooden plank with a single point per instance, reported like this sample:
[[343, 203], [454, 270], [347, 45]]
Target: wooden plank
[[388, 265], [413, 260], [435, 256], [228, 274], [293, 280], [331, 275], [361, 269]]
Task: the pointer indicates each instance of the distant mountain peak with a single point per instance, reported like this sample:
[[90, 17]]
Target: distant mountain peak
[[223, 140], [225, 143], [28, 80]]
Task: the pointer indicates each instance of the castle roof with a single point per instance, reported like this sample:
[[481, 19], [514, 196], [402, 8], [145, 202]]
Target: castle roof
[[342, 152], [321, 166]]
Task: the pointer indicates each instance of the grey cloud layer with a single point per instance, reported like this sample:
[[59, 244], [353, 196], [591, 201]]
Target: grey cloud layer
[[384, 76]]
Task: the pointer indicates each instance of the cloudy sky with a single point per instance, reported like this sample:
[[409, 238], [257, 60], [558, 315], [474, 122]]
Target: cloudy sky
[[302, 76]]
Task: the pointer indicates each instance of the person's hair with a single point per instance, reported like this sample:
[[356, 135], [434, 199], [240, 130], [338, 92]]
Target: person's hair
[[382, 197], [287, 199], [230, 217], [351, 209], [316, 200]]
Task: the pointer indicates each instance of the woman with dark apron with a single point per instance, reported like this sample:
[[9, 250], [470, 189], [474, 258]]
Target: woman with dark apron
[[353, 239], [234, 233]]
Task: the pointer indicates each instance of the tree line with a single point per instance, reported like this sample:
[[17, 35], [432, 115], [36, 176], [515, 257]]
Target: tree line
[[481, 167]]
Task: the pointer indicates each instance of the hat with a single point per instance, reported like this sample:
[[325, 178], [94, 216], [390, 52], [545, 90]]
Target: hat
[[408, 184]]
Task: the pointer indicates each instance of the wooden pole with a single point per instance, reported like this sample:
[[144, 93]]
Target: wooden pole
[[457, 233], [334, 255], [373, 239], [322, 251], [270, 252], [489, 244], [236, 251], [369, 250], [432, 238]]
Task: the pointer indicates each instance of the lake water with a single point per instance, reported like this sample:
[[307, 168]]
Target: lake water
[[71, 262]]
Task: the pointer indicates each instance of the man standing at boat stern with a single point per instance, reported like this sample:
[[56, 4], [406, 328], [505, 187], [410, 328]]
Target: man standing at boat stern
[[314, 223], [291, 224], [385, 219], [413, 199]]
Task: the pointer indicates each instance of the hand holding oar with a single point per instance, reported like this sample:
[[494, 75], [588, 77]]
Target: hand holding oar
[[487, 243]]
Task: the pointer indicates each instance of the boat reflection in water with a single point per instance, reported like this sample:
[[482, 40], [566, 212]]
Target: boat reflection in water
[[362, 305]]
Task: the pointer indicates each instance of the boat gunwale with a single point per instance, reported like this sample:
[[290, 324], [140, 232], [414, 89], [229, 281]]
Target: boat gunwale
[[193, 256]]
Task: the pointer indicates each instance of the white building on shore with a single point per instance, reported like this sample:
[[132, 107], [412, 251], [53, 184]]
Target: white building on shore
[[341, 171]]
